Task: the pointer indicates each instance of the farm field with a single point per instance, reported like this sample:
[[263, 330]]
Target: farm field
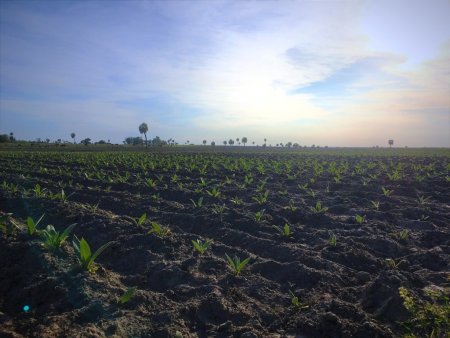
[[337, 241]]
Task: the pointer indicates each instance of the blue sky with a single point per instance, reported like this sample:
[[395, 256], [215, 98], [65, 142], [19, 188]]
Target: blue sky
[[337, 73]]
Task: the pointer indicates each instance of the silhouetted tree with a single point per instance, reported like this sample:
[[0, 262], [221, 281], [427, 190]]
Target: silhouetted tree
[[265, 141], [86, 141], [213, 143], [391, 143], [11, 137], [224, 143], [230, 142], [143, 129], [72, 135], [204, 142], [244, 140]]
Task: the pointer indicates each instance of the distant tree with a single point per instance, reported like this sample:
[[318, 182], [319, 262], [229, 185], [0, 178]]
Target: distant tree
[[100, 142], [143, 129], [204, 142], [289, 144], [157, 142], [295, 145], [4, 138], [244, 140], [237, 139], [133, 140], [391, 143], [265, 141], [72, 135], [11, 137], [86, 141], [47, 140], [230, 142], [224, 143], [213, 143], [253, 142]]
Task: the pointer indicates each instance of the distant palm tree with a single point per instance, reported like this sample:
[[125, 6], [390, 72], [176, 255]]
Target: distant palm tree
[[391, 143], [244, 140], [265, 141], [230, 142], [213, 143], [72, 135], [237, 139], [224, 143], [204, 142], [143, 129]]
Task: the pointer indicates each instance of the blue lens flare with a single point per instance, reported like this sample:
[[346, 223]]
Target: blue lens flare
[[26, 308]]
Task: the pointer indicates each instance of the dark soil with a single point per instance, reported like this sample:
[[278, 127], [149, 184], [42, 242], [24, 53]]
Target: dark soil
[[349, 289]]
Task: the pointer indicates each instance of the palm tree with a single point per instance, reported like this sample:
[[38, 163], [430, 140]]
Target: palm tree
[[391, 143], [237, 140], [265, 141], [224, 143], [72, 135], [143, 129], [244, 140], [230, 142], [204, 142]]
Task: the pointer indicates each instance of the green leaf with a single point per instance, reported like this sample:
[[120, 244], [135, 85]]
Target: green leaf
[[85, 252], [127, 295], [100, 250]]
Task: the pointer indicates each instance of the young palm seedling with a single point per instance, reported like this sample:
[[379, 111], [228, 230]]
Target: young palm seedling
[[197, 204], [376, 204], [139, 220], [386, 192], [333, 239], [7, 225], [291, 207], [214, 192], [394, 264], [422, 199], [200, 246], [318, 209], [402, 235], [360, 219], [296, 302], [54, 239], [86, 259], [32, 225], [261, 198], [236, 200], [236, 264], [285, 231], [159, 230], [259, 215], [125, 298]]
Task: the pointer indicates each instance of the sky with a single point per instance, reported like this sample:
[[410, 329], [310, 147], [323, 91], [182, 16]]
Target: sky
[[324, 72]]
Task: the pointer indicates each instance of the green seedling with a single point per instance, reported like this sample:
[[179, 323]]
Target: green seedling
[[214, 192], [318, 209], [38, 191], [333, 239], [125, 298], [54, 239], [197, 204], [296, 302], [394, 264], [261, 198], [158, 230], [200, 246], [402, 235], [360, 219], [431, 318], [236, 264], [7, 225], [285, 231], [259, 215], [86, 259], [32, 225], [150, 183], [422, 199], [386, 192], [376, 204], [236, 200], [218, 209], [139, 220], [291, 207]]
